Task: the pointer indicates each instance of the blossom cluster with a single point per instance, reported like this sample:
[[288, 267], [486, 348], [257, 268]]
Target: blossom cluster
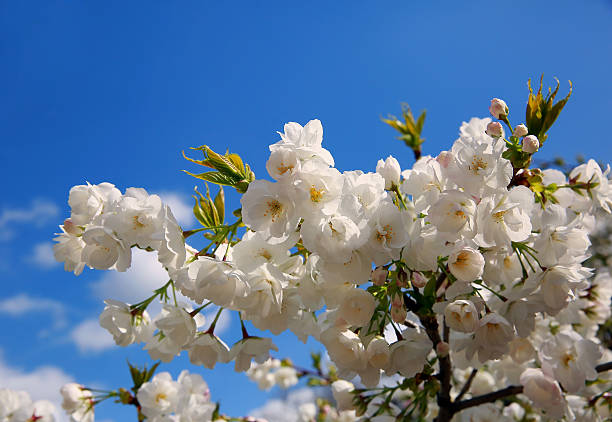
[[17, 406], [366, 262]]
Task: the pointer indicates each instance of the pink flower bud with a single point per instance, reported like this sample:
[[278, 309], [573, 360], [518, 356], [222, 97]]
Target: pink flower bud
[[399, 314], [379, 276], [442, 349], [498, 108], [495, 130], [397, 301], [402, 279], [520, 131], [530, 144], [444, 158], [418, 280], [71, 228]]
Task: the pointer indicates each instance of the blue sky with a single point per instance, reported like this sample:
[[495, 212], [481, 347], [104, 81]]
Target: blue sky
[[113, 91]]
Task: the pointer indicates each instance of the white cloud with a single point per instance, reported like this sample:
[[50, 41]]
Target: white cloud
[[42, 256], [38, 213], [137, 283], [89, 337], [181, 208], [285, 410], [41, 383], [24, 304]]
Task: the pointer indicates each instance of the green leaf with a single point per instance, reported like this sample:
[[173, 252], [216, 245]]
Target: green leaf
[[220, 204], [214, 177]]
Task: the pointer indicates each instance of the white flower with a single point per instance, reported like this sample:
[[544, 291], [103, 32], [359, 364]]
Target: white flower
[[378, 353], [285, 377], [125, 326], [345, 348], [11, 402], [572, 359], [408, 356], [461, 315], [600, 190], [248, 348], [357, 307], [89, 201], [176, 324], [207, 349], [283, 164], [103, 250], [466, 264], [306, 141], [389, 233], [194, 398], [318, 192], [159, 396], [390, 170], [335, 237], [454, 213], [543, 391], [77, 402], [503, 218], [341, 391], [521, 350], [69, 250], [267, 207], [172, 252], [266, 291], [137, 218], [491, 339]]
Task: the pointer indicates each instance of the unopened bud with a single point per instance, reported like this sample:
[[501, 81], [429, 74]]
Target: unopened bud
[[379, 276], [498, 108], [442, 349], [71, 228], [444, 158], [530, 144], [495, 130], [418, 280], [399, 314], [402, 279], [520, 131]]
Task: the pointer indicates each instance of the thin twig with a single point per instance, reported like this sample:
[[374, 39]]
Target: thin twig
[[467, 385]]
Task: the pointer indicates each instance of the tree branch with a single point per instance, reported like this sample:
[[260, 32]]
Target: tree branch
[[467, 385], [505, 392]]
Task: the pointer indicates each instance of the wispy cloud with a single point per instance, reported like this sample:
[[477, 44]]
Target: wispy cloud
[[38, 212], [90, 337], [41, 383], [137, 283], [42, 256], [24, 304], [181, 208], [285, 410]]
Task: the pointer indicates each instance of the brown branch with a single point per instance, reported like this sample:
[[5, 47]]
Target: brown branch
[[505, 392], [446, 412], [467, 385]]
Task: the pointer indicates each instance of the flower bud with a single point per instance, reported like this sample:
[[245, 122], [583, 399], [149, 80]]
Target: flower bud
[[418, 280], [530, 144], [520, 131], [341, 390], [444, 158], [442, 349], [494, 130], [402, 279], [71, 228], [398, 314], [379, 276], [390, 170], [498, 108]]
